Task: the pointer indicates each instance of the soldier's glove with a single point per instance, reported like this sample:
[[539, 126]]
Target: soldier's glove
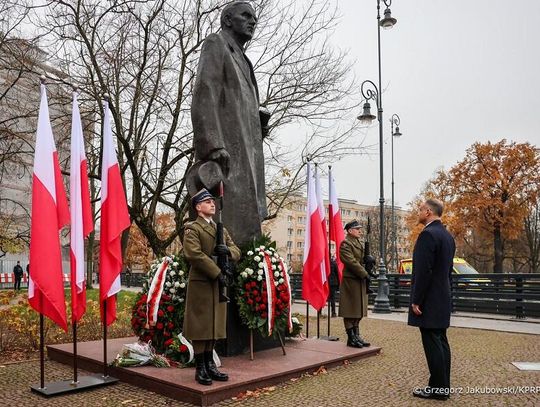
[[222, 249], [222, 280], [369, 264]]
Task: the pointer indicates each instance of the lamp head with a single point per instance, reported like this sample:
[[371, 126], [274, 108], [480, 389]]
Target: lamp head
[[366, 116], [397, 133], [388, 21]]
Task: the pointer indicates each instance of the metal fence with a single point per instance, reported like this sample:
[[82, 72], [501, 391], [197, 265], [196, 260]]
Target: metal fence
[[506, 294]]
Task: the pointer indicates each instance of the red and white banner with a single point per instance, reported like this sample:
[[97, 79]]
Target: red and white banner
[[314, 289], [288, 284], [49, 214], [155, 291], [114, 220], [334, 217], [270, 291], [325, 268], [81, 213]]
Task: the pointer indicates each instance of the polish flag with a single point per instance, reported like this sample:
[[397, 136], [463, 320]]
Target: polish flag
[[49, 214], [81, 213], [114, 220], [334, 218], [314, 289], [325, 268]]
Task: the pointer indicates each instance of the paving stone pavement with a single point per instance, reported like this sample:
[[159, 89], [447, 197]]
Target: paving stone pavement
[[481, 360]]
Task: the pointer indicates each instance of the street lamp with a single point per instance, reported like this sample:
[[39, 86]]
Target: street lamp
[[395, 133], [382, 303]]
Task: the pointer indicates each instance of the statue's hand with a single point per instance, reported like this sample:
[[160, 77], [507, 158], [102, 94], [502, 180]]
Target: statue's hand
[[223, 158]]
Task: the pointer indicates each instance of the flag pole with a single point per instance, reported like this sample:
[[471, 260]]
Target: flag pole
[[75, 378], [105, 367], [329, 247], [41, 352], [307, 319]]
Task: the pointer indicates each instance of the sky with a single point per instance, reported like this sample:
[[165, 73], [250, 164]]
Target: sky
[[455, 72]]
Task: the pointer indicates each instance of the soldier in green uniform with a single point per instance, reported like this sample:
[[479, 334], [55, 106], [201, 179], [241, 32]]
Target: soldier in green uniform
[[353, 302], [205, 316]]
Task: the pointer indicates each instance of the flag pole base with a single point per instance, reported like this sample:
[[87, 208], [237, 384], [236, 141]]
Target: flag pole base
[[68, 386], [329, 338]]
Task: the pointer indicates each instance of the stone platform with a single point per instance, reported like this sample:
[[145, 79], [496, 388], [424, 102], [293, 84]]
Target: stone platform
[[269, 367]]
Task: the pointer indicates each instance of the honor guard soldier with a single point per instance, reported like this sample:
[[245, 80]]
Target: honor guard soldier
[[205, 315], [353, 303]]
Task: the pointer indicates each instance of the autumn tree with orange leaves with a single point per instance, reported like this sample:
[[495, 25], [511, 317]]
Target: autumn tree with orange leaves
[[490, 192]]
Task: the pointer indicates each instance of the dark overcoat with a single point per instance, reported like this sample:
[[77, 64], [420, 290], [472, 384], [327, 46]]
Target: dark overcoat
[[353, 299], [205, 317], [225, 115], [432, 267]]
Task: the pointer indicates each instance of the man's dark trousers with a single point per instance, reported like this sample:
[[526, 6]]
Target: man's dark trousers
[[438, 357]]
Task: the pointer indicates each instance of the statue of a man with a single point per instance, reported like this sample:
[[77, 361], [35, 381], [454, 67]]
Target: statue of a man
[[227, 124]]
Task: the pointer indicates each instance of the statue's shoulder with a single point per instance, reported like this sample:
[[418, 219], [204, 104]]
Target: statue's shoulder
[[214, 39]]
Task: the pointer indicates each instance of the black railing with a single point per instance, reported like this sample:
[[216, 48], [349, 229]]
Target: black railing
[[506, 294]]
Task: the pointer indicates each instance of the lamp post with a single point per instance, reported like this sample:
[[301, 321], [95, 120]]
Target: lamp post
[[394, 120], [382, 303]]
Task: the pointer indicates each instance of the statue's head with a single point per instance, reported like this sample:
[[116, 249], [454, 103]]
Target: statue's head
[[238, 18]]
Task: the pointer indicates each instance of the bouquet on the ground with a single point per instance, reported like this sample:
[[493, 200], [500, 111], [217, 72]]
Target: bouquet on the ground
[[139, 354], [296, 329], [263, 289], [180, 350]]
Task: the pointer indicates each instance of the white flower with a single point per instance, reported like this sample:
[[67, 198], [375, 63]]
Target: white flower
[[295, 320], [168, 284], [250, 253], [257, 258], [244, 274], [260, 272], [276, 274], [272, 249], [268, 252], [181, 300], [181, 273], [262, 247], [249, 271], [261, 265], [280, 281], [176, 284], [172, 273], [182, 285], [259, 278], [172, 290], [275, 283], [274, 267]]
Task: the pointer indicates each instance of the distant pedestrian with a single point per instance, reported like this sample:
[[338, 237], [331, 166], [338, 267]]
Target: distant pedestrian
[[430, 297], [18, 272]]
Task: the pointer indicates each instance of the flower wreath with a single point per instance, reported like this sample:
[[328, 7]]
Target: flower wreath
[[158, 313], [263, 292]]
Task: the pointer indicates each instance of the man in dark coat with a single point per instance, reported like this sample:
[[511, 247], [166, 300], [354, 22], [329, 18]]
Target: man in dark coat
[[353, 299], [334, 284], [205, 316], [227, 124], [18, 272], [430, 297]]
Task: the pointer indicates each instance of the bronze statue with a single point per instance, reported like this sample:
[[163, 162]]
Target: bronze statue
[[228, 126]]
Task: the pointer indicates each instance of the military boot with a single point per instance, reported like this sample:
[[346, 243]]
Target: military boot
[[212, 369], [352, 340], [201, 375], [359, 338]]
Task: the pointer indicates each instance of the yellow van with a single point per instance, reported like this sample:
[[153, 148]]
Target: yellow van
[[460, 266]]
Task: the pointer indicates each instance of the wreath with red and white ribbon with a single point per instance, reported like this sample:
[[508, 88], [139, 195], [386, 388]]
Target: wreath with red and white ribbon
[[263, 290]]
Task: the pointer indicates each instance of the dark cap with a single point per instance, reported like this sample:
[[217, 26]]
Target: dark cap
[[353, 225], [201, 196]]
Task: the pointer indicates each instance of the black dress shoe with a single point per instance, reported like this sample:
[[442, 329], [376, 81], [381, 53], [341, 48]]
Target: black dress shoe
[[352, 340], [201, 375], [212, 369], [426, 393]]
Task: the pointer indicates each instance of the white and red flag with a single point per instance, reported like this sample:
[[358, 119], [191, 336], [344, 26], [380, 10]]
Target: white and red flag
[[49, 214], [81, 213], [325, 268], [334, 217], [314, 289], [114, 220]]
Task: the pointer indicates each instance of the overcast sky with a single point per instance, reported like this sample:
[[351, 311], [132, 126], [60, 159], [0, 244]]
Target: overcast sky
[[455, 71]]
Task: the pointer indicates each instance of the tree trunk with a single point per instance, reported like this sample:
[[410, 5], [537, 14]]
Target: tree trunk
[[498, 247]]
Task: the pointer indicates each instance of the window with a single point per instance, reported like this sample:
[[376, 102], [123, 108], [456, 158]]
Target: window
[[289, 218], [289, 243], [299, 245], [290, 231], [299, 232]]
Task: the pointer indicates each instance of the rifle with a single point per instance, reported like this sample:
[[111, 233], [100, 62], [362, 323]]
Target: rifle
[[369, 260], [221, 253]]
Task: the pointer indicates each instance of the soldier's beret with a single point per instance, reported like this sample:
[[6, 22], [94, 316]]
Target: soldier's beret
[[352, 225], [201, 196]]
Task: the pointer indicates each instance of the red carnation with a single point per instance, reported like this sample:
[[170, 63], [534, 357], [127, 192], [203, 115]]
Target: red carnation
[[144, 298], [170, 325], [255, 292], [264, 315], [250, 301], [141, 313], [254, 284], [183, 348], [248, 286], [160, 313], [170, 308], [159, 326], [262, 306], [168, 342], [166, 333], [166, 297], [258, 299]]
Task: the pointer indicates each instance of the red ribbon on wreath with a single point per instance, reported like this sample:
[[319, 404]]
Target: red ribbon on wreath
[[270, 292], [288, 286], [154, 293]]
